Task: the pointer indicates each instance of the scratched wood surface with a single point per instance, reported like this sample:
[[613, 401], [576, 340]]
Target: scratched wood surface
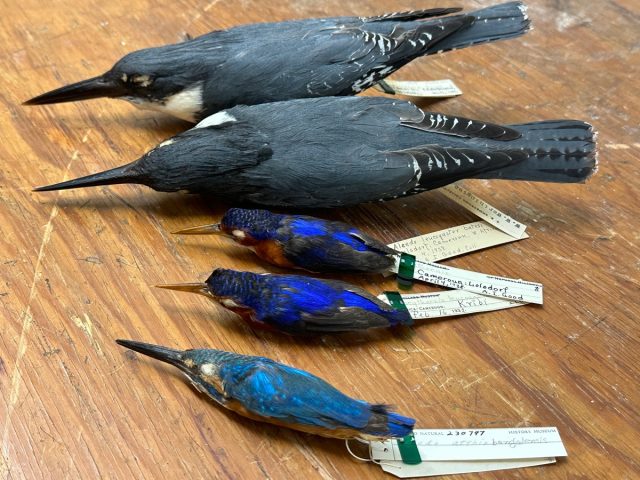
[[77, 267]]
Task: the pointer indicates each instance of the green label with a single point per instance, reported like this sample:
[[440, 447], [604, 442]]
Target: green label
[[395, 299], [406, 269], [409, 450]]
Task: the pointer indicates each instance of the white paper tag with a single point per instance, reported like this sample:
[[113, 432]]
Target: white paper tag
[[472, 450], [427, 89], [434, 469], [491, 285], [450, 303], [485, 211], [454, 241], [477, 444]]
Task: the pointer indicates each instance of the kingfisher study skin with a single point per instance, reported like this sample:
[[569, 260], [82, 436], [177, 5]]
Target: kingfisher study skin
[[296, 304], [265, 390], [300, 241], [268, 62], [337, 151]]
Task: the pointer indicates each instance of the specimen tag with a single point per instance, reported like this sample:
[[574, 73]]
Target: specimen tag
[[454, 241], [470, 450], [485, 211], [491, 285], [430, 89], [446, 304]]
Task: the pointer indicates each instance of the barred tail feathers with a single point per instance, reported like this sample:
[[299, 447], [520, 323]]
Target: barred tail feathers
[[499, 22], [562, 151]]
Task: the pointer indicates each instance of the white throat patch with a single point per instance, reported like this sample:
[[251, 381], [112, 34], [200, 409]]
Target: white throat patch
[[216, 119], [185, 104]]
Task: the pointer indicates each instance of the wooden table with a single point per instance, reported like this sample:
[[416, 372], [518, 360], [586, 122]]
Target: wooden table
[[77, 267]]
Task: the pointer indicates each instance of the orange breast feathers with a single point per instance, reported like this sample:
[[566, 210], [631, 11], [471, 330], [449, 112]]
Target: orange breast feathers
[[237, 407], [272, 251]]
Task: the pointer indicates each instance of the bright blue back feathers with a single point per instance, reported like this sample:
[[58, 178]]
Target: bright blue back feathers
[[313, 243], [293, 302], [286, 394]]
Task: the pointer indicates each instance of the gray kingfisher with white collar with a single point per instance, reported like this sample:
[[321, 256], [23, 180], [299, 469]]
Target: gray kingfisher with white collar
[[339, 151], [269, 62]]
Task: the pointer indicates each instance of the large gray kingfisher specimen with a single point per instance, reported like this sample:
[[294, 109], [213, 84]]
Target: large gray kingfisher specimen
[[269, 62], [336, 151]]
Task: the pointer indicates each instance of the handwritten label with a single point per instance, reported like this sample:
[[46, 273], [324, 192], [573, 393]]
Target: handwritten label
[[491, 285], [454, 241], [427, 89], [478, 444], [451, 303], [436, 469], [485, 211]]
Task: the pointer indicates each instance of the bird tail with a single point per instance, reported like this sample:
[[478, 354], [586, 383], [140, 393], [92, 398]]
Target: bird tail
[[387, 424], [499, 22], [123, 174], [562, 151], [401, 317]]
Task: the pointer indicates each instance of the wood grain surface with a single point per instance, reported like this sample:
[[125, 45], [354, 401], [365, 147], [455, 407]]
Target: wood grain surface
[[78, 267]]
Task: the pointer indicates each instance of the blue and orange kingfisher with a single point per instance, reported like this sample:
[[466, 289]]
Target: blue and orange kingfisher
[[265, 390], [299, 241], [297, 304]]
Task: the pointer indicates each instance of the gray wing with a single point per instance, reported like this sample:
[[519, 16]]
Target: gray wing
[[360, 56], [437, 166], [413, 14], [462, 127]]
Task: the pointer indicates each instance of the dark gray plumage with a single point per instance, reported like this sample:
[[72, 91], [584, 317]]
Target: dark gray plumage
[[330, 152], [270, 62]]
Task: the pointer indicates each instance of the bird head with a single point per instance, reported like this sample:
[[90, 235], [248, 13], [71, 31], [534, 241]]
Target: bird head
[[224, 286], [201, 366], [162, 81], [246, 227]]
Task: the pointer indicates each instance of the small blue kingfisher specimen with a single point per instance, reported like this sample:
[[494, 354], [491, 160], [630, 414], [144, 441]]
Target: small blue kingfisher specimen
[[265, 390], [300, 241], [336, 151], [295, 304], [269, 62]]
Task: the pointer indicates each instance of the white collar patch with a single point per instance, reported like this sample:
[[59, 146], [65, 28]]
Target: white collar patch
[[184, 104], [216, 119]]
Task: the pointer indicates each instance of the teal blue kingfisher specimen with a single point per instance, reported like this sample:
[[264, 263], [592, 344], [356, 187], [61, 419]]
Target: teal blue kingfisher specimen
[[265, 390], [295, 304], [269, 62], [337, 151], [300, 241]]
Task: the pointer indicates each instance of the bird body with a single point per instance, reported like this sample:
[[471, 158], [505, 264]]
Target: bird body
[[297, 304], [268, 391], [268, 62], [300, 241], [337, 151]]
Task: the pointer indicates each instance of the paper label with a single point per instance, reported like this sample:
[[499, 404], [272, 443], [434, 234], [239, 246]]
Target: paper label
[[450, 303], [491, 285], [437, 445], [454, 241], [428, 89], [433, 469], [485, 211]]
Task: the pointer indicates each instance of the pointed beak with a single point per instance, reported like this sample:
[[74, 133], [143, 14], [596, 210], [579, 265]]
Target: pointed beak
[[96, 87], [199, 288], [212, 229], [164, 354]]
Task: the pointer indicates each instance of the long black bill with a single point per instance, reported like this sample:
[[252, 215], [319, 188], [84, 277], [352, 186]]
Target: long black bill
[[164, 354], [123, 174], [96, 87]]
